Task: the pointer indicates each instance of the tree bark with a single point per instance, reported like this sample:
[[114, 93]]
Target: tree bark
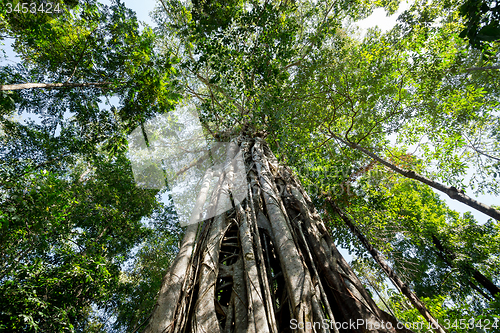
[[51, 85], [266, 265], [451, 191], [403, 287]]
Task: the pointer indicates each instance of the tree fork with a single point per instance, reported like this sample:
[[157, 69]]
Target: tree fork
[[403, 287], [266, 265]]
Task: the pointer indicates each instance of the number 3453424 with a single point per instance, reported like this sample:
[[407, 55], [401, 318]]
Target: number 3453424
[[484, 324], [33, 8]]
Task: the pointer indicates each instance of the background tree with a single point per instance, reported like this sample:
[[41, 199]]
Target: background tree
[[70, 212]]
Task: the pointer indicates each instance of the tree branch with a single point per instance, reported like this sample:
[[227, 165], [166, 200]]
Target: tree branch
[[403, 287], [9, 87], [451, 191]]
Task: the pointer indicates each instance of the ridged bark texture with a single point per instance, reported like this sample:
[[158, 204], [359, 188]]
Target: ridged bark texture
[[267, 265]]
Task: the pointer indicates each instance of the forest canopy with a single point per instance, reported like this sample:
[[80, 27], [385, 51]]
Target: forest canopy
[[374, 127]]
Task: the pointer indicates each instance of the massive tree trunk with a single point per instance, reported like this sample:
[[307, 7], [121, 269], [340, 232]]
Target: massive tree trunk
[[266, 265]]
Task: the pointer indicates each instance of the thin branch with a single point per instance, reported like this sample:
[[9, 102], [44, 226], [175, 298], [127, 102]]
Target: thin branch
[[10, 87], [451, 191]]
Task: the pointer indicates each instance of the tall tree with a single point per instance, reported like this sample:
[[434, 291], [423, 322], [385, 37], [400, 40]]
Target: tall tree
[[267, 265], [451, 191], [403, 218], [70, 212]]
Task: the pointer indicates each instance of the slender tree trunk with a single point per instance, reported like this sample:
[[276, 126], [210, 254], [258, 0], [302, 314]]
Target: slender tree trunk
[[375, 288], [403, 287], [447, 256], [266, 265], [451, 191], [51, 85]]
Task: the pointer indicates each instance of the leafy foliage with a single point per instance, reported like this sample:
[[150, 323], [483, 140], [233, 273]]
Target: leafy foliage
[[482, 24], [63, 241], [70, 212], [141, 281]]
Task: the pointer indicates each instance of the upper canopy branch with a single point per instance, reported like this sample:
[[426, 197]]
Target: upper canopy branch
[[451, 191], [22, 86]]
